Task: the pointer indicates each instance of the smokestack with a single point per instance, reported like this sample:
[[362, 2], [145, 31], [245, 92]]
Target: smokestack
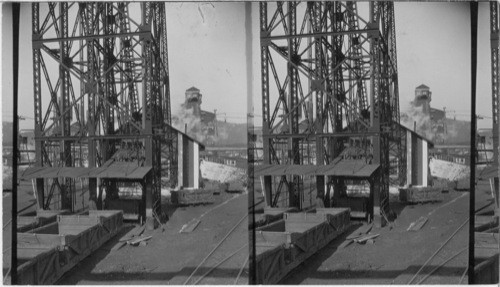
[[185, 128], [415, 126]]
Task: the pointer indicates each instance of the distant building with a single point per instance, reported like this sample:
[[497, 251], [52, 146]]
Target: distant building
[[193, 101], [437, 115], [27, 139], [434, 123], [423, 97], [206, 131]]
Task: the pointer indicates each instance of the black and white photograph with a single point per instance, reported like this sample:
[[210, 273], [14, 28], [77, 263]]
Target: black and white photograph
[[131, 148], [244, 143], [363, 165]]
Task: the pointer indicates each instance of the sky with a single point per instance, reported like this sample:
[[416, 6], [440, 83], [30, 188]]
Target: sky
[[433, 42], [206, 43], [205, 46]]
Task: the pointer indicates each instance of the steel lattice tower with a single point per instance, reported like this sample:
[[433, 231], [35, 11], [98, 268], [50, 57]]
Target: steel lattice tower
[[112, 86], [329, 85]]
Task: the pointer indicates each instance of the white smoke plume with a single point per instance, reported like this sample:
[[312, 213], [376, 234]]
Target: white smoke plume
[[208, 133], [415, 116]]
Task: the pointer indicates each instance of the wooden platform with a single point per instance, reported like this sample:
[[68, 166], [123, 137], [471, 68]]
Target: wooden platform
[[45, 254], [284, 244], [420, 194]]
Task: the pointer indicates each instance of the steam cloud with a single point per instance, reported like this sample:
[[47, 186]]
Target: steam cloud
[[184, 120]]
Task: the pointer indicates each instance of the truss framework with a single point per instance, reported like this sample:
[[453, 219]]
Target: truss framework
[[111, 89], [329, 84]]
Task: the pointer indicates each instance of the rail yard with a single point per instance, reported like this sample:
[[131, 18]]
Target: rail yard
[[328, 181]]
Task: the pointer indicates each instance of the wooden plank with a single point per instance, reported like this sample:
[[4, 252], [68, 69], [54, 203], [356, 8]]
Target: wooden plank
[[136, 231], [360, 231], [190, 226], [418, 224], [366, 238], [138, 240]]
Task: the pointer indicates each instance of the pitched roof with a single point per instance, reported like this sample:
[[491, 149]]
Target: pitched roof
[[422, 87], [417, 134], [193, 89]]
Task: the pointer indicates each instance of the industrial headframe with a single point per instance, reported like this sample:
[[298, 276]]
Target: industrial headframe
[[341, 78], [106, 114], [330, 102]]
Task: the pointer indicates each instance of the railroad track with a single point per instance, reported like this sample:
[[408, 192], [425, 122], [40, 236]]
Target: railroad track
[[226, 262], [444, 256]]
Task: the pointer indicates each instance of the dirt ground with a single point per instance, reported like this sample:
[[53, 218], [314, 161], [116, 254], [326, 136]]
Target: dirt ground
[[169, 257], [396, 255]]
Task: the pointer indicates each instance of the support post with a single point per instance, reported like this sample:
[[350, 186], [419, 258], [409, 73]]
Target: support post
[[472, 196], [148, 187], [495, 90], [375, 118]]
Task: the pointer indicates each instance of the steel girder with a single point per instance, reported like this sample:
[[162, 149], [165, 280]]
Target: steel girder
[[329, 82], [113, 80], [495, 83]]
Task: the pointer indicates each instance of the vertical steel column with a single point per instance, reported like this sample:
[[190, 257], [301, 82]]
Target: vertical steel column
[[37, 93], [266, 123], [293, 143], [473, 132], [109, 92], [495, 86], [337, 92], [147, 112], [65, 108], [317, 11], [90, 89], [375, 112]]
